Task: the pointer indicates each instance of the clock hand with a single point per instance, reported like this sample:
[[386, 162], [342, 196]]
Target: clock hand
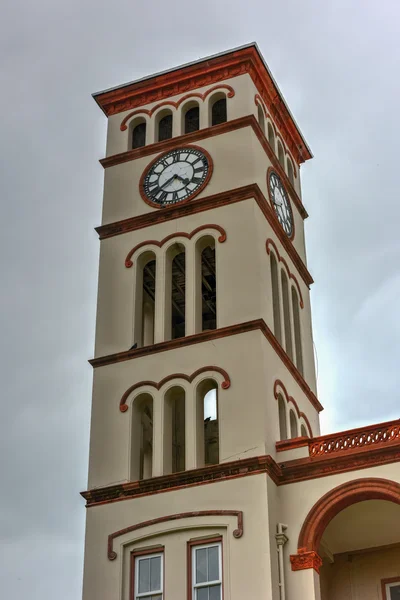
[[169, 181], [185, 181]]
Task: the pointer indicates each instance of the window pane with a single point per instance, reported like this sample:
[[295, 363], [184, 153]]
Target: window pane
[[215, 592], [144, 575], [155, 573], [201, 565], [213, 564], [157, 597], [202, 593], [395, 592]]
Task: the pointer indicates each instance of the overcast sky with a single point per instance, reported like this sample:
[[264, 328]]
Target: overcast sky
[[338, 67]]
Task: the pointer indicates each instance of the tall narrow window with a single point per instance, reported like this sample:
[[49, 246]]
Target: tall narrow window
[[282, 418], [297, 330], [281, 155], [275, 298], [165, 127], [207, 428], [290, 170], [192, 119], [145, 294], [261, 120], [174, 430], [142, 438], [293, 425], [271, 136], [286, 315], [208, 289], [148, 577], [139, 135], [206, 572], [303, 431], [178, 294], [218, 112]]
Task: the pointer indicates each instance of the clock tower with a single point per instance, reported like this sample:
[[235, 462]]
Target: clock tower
[[204, 396]]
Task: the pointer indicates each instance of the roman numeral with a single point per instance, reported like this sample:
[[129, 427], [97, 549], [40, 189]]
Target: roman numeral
[[197, 180]]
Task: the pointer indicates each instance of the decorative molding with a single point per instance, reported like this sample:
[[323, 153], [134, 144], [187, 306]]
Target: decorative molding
[[237, 533], [207, 72], [150, 113], [226, 384], [292, 444], [305, 560], [289, 399], [336, 500], [205, 336], [208, 203], [184, 479], [195, 193], [280, 258], [354, 439], [221, 239]]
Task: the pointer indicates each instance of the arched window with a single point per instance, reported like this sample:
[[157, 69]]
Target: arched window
[[271, 136], [297, 330], [275, 298], [176, 290], [282, 418], [164, 125], [191, 118], [174, 430], [142, 438], [303, 431], [218, 111], [293, 424], [208, 289], [207, 428], [281, 155], [145, 295], [138, 133], [290, 170], [286, 315], [261, 120]]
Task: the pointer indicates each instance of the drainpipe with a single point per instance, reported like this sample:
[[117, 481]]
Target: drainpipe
[[281, 540]]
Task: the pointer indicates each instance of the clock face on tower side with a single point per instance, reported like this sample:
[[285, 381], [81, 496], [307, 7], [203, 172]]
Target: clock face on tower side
[[280, 202], [176, 176]]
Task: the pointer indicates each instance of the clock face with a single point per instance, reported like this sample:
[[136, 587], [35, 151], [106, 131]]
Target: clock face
[[280, 201], [176, 176]]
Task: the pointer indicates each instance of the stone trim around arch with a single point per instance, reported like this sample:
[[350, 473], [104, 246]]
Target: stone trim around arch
[[237, 533], [221, 239], [332, 503], [123, 407], [290, 400]]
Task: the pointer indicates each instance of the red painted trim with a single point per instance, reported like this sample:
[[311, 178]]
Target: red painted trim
[[289, 399], [269, 171], [305, 560], [123, 407], [221, 239], [280, 258], [211, 71], [237, 533], [388, 580], [340, 498], [205, 336], [299, 442], [150, 113], [194, 194], [143, 552], [195, 543]]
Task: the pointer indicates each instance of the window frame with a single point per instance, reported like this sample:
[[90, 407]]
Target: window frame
[[136, 556], [192, 546], [387, 584]]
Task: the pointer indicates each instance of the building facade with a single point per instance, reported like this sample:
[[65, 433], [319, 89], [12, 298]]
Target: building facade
[[208, 476]]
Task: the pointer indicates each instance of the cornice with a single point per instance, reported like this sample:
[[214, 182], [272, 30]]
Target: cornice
[[214, 70], [205, 336]]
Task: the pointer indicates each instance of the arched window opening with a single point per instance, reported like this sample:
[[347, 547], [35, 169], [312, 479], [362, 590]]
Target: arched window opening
[[281, 155], [192, 118], [174, 430], [282, 418], [142, 438], [261, 120], [290, 171], [138, 134], [178, 292], [145, 295], [164, 126], [207, 429], [286, 315], [297, 330], [303, 431], [275, 298], [293, 425], [271, 136], [208, 289], [218, 111]]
